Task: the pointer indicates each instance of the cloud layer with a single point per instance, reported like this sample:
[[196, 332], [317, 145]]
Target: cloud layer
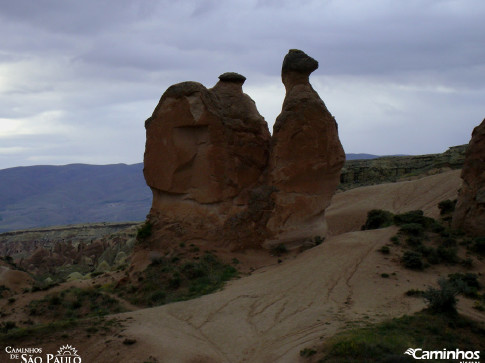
[[78, 79]]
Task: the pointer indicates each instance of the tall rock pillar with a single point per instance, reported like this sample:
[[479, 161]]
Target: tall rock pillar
[[306, 156]]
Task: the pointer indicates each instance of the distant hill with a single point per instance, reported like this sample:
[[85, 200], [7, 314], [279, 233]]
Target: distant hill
[[360, 156], [40, 196], [44, 196]]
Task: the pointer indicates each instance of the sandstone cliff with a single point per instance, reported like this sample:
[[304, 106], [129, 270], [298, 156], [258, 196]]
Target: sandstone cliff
[[469, 213]]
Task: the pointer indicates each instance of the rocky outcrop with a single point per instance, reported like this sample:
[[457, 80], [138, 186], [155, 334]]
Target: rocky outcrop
[[306, 155], [393, 168], [217, 175], [55, 250], [206, 152], [469, 213]]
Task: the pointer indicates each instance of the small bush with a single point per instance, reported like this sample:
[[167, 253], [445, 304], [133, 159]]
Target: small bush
[[384, 275], [478, 245], [415, 216], [470, 283], [446, 206], [447, 254], [414, 241], [144, 231], [412, 260], [378, 218], [449, 242], [384, 250], [412, 229], [443, 300], [307, 352], [318, 240], [414, 292], [279, 250], [395, 240]]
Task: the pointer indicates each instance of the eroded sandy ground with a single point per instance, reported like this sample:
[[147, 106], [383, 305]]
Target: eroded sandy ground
[[279, 310]]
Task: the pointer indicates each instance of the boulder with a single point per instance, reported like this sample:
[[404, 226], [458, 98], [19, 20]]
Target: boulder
[[306, 155], [469, 213]]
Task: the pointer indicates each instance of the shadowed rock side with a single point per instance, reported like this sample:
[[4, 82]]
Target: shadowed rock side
[[469, 213], [306, 155], [206, 151]]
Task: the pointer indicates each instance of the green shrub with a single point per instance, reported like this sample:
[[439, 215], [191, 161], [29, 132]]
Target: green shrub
[[318, 240], [384, 250], [415, 216], [443, 300], [307, 352], [449, 242], [414, 292], [279, 250], [447, 254], [412, 260], [395, 240], [378, 218], [414, 241], [478, 245], [412, 229], [447, 206], [144, 231], [385, 275], [470, 282]]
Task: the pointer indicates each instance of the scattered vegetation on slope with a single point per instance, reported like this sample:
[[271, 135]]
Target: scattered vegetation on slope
[[387, 341], [424, 241], [177, 278]]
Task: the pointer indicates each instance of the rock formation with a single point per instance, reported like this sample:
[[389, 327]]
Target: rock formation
[[208, 163], [206, 150], [306, 155], [469, 213]]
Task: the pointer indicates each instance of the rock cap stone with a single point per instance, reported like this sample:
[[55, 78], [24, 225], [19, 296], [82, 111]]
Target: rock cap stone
[[232, 77], [298, 61]]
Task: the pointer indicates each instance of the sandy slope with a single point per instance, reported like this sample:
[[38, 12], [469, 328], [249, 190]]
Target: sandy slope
[[349, 209], [277, 311]]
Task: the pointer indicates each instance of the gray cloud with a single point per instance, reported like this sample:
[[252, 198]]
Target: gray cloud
[[415, 69]]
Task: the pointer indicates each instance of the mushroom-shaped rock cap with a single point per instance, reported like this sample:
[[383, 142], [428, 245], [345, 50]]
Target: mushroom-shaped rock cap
[[232, 77], [298, 61]]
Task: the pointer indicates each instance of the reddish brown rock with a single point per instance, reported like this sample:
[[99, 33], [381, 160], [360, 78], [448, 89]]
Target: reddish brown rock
[[206, 150], [469, 213], [306, 156], [208, 162]]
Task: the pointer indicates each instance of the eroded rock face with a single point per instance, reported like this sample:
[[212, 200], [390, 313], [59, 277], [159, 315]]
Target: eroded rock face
[[306, 155], [208, 162], [206, 150], [469, 213]]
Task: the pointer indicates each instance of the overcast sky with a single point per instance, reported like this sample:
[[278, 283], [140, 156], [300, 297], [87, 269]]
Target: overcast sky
[[79, 78]]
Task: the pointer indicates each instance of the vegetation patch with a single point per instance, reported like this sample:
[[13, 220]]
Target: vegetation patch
[[175, 279], [75, 303], [378, 218], [387, 341]]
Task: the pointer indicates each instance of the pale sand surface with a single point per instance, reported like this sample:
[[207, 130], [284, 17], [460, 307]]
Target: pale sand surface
[[279, 310]]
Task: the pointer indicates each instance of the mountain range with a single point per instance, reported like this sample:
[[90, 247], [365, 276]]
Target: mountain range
[[46, 195], [39, 196]]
